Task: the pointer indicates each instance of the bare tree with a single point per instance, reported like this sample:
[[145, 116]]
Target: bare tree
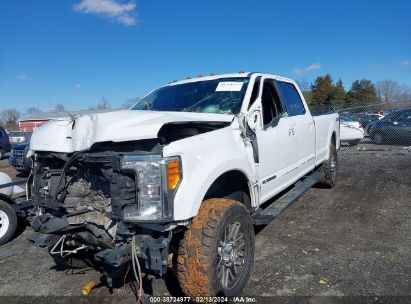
[[404, 95], [304, 85], [9, 119], [130, 102], [104, 104], [59, 108], [32, 110], [388, 90]]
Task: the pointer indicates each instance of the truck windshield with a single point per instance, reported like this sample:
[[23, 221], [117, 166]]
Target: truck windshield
[[221, 96]]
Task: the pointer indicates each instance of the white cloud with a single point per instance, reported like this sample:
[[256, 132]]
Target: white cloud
[[310, 68], [406, 62], [23, 76], [78, 86], [111, 9]]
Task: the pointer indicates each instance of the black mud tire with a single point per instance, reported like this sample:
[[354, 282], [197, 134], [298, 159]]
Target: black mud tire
[[199, 253], [8, 222], [329, 168], [354, 142]]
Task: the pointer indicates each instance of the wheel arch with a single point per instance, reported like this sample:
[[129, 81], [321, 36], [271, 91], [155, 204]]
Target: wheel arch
[[334, 139], [6, 198], [232, 184]]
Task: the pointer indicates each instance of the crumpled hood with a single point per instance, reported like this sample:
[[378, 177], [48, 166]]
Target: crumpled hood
[[70, 135]]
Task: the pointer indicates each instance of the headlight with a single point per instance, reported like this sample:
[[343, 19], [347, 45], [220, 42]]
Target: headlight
[[157, 180]]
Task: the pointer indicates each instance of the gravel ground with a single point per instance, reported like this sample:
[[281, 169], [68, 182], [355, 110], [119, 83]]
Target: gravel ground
[[351, 241]]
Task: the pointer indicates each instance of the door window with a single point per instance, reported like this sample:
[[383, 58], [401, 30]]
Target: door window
[[255, 92], [271, 103], [405, 116], [291, 98]]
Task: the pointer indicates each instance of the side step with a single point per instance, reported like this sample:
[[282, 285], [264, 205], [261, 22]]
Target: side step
[[266, 215]]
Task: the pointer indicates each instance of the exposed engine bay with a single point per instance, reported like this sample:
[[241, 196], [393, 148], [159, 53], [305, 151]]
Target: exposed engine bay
[[90, 204]]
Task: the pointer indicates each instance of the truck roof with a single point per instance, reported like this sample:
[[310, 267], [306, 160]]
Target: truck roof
[[230, 75]]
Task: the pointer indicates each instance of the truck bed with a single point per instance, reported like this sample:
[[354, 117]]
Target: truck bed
[[323, 130]]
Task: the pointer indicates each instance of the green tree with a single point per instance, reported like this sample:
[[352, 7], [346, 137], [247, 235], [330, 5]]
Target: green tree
[[308, 96], [339, 95], [362, 92], [322, 90], [339, 91]]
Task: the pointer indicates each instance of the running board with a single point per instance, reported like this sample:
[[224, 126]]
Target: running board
[[266, 215]]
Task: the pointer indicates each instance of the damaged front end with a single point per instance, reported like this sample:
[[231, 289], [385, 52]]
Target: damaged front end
[[90, 204]]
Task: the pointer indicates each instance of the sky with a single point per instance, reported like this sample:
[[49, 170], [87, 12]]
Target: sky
[[76, 52]]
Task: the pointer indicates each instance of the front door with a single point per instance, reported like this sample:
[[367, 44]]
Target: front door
[[277, 144]]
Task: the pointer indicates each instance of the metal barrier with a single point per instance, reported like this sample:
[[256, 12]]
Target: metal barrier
[[372, 122]]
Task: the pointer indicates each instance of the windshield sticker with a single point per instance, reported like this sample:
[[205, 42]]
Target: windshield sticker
[[229, 86]]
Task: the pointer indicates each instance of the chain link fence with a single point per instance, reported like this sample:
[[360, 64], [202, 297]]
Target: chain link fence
[[372, 122]]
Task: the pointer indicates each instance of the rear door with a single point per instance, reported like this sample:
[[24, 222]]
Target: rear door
[[277, 145], [304, 125]]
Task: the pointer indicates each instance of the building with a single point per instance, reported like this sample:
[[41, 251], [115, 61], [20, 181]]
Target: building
[[30, 122]]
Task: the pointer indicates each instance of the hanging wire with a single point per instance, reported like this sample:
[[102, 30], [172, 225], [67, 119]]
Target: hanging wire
[[137, 271]]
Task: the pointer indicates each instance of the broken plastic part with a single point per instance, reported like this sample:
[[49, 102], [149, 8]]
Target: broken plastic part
[[88, 287]]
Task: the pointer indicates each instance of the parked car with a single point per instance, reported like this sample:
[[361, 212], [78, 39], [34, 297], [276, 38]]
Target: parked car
[[5, 144], [19, 137], [8, 216], [10, 208], [179, 180], [18, 157], [394, 128], [351, 130], [367, 119]]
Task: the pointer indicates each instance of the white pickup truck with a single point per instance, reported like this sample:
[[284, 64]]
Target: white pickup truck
[[180, 179]]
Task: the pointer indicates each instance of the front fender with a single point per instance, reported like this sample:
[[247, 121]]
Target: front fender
[[205, 157]]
